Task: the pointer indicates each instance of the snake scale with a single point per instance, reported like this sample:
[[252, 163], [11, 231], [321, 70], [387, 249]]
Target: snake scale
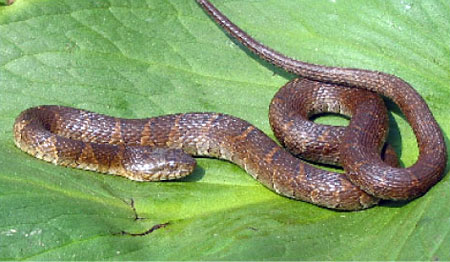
[[159, 148]]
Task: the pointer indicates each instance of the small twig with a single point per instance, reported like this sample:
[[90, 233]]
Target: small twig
[[136, 216], [131, 204], [153, 228]]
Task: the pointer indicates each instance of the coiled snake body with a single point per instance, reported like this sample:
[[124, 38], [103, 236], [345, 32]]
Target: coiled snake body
[[154, 149]]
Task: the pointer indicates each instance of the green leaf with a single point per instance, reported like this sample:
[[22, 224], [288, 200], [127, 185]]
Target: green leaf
[[139, 59]]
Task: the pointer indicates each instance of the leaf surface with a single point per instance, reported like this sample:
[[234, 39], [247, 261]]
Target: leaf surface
[[138, 59]]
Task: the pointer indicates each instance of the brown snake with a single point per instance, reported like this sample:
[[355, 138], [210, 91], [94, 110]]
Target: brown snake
[[137, 148]]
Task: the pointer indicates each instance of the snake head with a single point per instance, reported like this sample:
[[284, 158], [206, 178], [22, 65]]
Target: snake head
[[155, 164]]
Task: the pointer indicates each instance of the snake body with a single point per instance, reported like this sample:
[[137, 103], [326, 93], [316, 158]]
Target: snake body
[[156, 148]]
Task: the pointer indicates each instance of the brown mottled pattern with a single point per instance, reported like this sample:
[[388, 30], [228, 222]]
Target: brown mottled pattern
[[155, 149]]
